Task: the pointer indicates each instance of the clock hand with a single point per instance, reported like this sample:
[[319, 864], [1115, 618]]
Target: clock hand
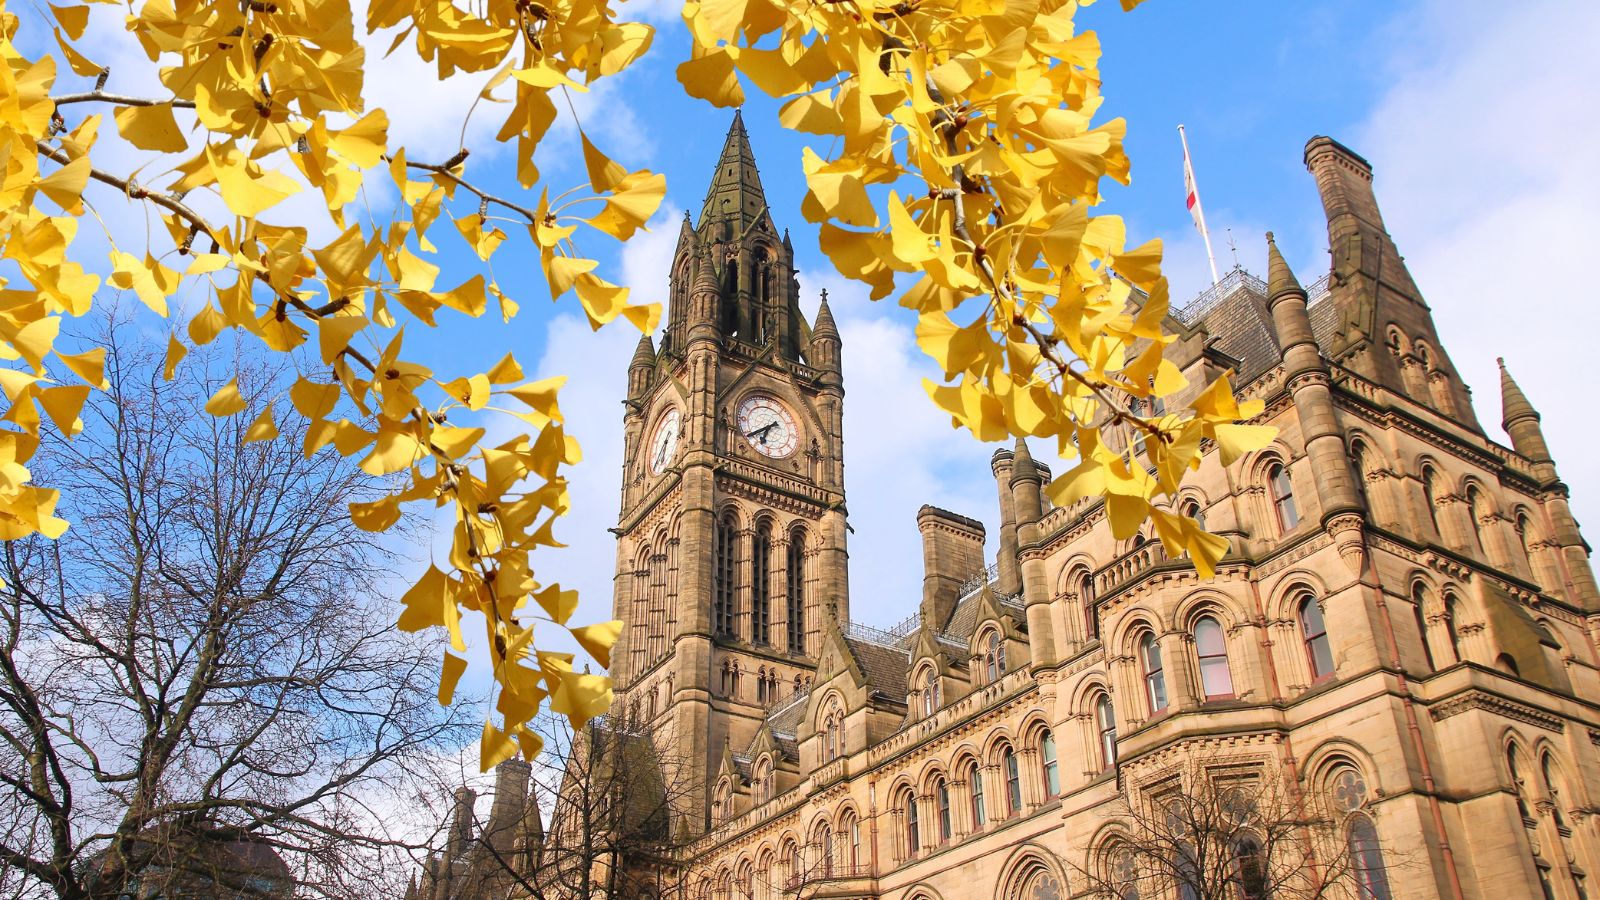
[[762, 431]]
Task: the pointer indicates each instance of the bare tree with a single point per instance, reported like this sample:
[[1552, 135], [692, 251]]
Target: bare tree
[[1226, 830], [203, 669]]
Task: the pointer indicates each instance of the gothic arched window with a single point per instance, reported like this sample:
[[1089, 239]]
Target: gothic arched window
[[908, 807], [930, 693], [1191, 508], [1361, 836], [1319, 652], [1008, 762], [1283, 497], [761, 585], [975, 784], [941, 799], [796, 590], [1106, 723], [1419, 598], [722, 603], [1049, 767], [992, 668], [1212, 646], [1155, 679]]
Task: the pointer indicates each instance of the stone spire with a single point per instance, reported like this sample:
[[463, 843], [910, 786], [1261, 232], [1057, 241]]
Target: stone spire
[[735, 196], [824, 325], [1280, 279], [1514, 405], [644, 355], [1521, 422]]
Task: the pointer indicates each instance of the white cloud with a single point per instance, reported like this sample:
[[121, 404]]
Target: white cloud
[[900, 451], [1484, 159]]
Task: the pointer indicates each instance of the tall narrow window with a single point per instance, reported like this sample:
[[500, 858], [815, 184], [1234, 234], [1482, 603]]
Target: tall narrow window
[[1091, 616], [1518, 787], [851, 828], [1212, 646], [1319, 652], [991, 658], [975, 781], [1192, 509], [1013, 781], [824, 839], [1250, 871], [1451, 608], [930, 693], [941, 797], [1047, 762], [1366, 857], [1155, 679], [761, 586], [722, 612], [1553, 785], [913, 831], [1430, 495], [1106, 719], [1283, 497], [797, 591], [1419, 599]]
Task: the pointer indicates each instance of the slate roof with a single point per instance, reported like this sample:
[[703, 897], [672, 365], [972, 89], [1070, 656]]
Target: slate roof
[[884, 667]]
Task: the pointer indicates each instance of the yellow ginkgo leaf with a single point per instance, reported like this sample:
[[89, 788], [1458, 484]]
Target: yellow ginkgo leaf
[[494, 748], [597, 640], [376, 515], [150, 128], [89, 365], [63, 404], [263, 428], [226, 401], [175, 354], [449, 676]]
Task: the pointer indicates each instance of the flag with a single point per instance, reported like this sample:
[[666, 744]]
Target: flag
[[1192, 193]]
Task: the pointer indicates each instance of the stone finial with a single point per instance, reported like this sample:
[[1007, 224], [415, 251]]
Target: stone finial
[[644, 355], [824, 326], [1514, 405]]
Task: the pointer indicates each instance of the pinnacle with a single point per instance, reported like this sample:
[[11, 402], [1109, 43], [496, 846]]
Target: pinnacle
[[1280, 279], [1514, 403], [735, 192], [824, 326], [644, 354], [1022, 464]]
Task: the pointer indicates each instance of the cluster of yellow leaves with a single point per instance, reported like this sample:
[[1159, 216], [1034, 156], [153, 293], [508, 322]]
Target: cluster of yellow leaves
[[980, 113], [275, 89]]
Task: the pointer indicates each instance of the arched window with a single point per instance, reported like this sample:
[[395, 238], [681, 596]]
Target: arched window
[[1106, 720], [828, 749], [1283, 497], [975, 783], [1451, 620], [1008, 762], [930, 693], [1212, 646], [1091, 616], [1361, 837], [1478, 508], [1507, 663], [1518, 786], [1431, 492], [761, 586], [1155, 680], [1366, 858], [908, 806], [1249, 869], [1419, 598], [1191, 508], [850, 829], [941, 799], [1319, 652], [722, 612], [992, 667], [1554, 787], [838, 732], [797, 591], [1047, 762], [824, 841]]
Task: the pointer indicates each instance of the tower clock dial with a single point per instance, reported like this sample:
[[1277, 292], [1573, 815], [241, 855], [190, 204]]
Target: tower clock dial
[[768, 427], [664, 444]]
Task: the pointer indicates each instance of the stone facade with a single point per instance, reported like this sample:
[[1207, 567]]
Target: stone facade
[[1402, 623]]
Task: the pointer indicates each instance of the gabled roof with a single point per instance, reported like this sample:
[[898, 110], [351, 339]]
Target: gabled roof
[[885, 668]]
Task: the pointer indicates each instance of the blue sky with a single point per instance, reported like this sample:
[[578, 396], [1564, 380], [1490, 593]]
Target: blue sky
[[1477, 115]]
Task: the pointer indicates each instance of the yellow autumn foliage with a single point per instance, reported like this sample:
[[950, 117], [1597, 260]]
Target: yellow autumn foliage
[[976, 112]]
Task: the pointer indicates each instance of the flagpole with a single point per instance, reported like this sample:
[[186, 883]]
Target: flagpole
[[1199, 209]]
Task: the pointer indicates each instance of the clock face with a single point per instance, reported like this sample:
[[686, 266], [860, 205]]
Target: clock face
[[664, 445], [769, 428]]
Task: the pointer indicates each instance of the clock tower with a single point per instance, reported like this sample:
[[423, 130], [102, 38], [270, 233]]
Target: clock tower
[[731, 538]]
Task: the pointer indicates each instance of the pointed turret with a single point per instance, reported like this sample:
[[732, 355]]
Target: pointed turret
[[735, 197], [1280, 279], [1514, 405], [823, 351], [644, 355], [510, 798], [824, 325], [461, 823], [1026, 484]]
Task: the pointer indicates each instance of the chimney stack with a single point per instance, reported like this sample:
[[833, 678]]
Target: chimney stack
[[952, 552]]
